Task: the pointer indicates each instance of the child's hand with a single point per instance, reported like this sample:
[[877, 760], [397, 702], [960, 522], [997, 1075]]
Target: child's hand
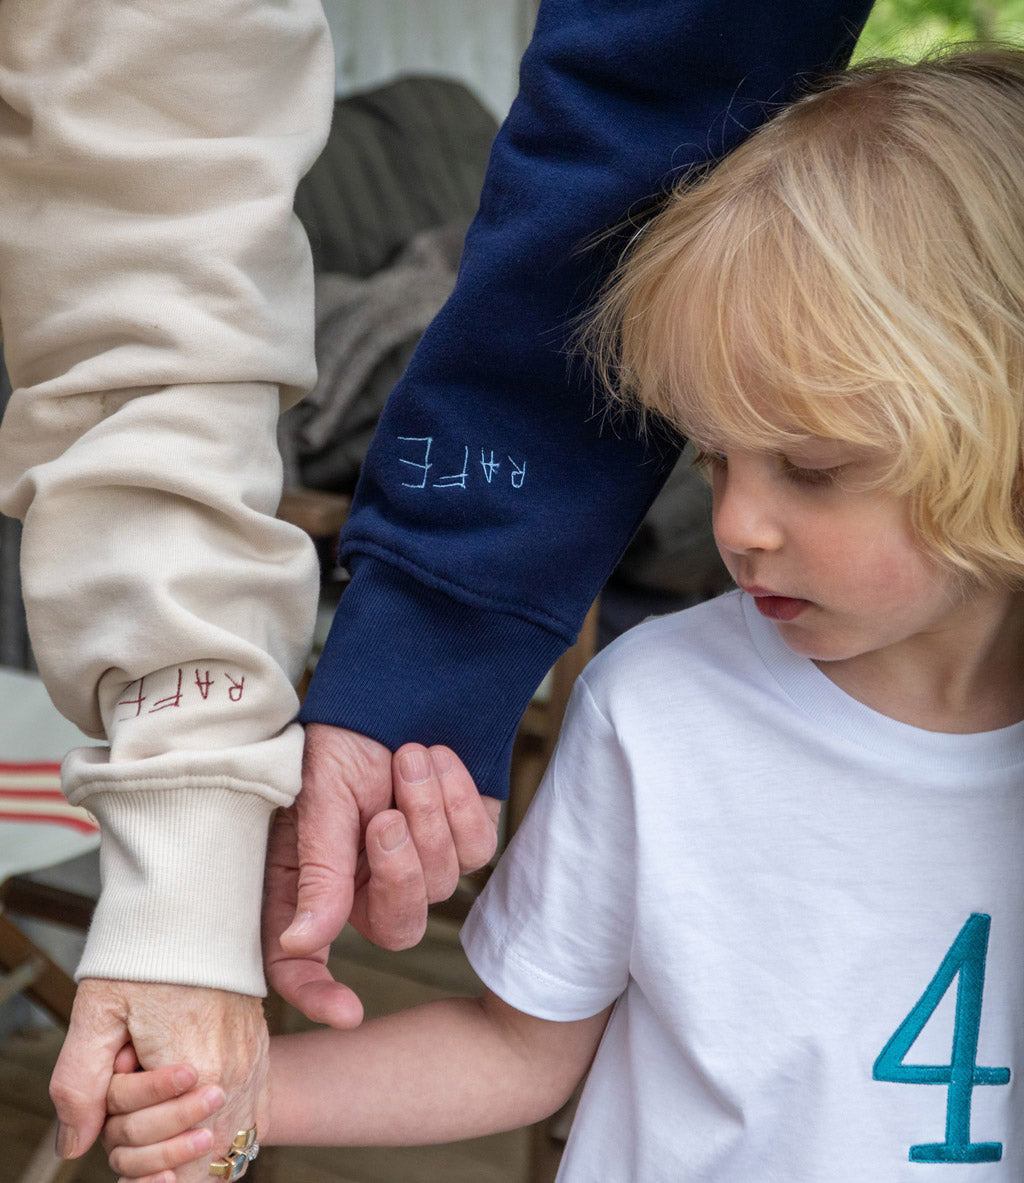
[[149, 1128]]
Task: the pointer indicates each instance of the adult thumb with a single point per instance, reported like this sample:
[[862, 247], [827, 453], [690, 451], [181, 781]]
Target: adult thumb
[[81, 1077]]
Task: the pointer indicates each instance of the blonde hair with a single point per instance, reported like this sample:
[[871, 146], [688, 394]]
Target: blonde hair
[[855, 270]]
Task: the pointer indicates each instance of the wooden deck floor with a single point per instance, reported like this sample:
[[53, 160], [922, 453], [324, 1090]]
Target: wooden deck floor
[[385, 981]]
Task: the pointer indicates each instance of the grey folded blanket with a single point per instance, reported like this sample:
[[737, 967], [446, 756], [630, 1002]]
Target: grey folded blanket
[[366, 330]]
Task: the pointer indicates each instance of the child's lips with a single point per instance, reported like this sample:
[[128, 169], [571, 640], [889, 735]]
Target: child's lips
[[780, 607], [774, 606]]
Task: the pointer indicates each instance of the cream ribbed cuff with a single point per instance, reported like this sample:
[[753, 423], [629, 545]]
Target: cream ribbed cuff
[[182, 862], [182, 879]]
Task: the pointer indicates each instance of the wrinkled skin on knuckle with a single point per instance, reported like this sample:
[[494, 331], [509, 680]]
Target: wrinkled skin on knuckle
[[421, 805], [346, 763], [475, 820], [343, 767], [317, 875]]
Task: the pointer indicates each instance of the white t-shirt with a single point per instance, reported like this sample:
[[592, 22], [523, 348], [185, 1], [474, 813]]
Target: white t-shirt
[[795, 901]]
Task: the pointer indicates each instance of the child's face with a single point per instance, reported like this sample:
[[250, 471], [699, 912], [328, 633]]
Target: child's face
[[830, 560]]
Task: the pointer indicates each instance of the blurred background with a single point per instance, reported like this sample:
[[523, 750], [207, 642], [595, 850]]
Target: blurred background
[[899, 27], [421, 87]]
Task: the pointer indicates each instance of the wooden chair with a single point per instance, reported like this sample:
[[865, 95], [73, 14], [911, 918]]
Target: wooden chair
[[32, 973], [38, 829]]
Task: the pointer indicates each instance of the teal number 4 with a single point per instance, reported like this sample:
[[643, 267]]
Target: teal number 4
[[965, 960]]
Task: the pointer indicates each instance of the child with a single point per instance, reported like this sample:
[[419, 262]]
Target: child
[[781, 825]]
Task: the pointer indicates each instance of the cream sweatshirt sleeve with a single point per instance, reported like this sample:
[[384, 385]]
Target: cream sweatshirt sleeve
[[156, 299]]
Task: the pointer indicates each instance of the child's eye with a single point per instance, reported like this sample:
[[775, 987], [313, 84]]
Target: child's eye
[[811, 476]]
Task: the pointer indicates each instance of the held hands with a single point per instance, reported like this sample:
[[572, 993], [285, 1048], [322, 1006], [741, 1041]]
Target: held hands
[[116, 1025], [372, 839]]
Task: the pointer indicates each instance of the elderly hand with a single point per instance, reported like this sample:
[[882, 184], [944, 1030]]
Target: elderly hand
[[223, 1036], [429, 825]]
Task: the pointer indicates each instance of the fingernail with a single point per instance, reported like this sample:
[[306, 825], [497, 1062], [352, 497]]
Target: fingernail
[[65, 1141], [415, 766], [393, 835], [441, 758], [300, 926], [183, 1078], [202, 1140], [213, 1098]]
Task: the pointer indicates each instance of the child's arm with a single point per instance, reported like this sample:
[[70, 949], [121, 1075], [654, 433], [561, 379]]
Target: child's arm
[[447, 1070]]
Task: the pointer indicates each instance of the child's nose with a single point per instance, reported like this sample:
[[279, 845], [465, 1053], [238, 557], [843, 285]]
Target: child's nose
[[743, 516]]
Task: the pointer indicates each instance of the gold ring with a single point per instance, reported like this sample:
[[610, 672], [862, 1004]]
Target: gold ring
[[235, 1163]]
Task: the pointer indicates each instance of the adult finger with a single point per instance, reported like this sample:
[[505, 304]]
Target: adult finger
[[472, 818], [303, 980], [78, 1088], [346, 779], [420, 797], [391, 910]]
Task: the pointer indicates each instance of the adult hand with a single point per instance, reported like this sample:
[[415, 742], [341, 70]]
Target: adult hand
[[317, 872], [223, 1036]]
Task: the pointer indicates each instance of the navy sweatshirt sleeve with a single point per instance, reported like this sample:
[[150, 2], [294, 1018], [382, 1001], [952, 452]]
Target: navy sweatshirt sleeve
[[496, 499]]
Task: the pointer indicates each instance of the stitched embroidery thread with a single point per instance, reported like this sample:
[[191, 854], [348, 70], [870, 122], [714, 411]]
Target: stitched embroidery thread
[[966, 962]]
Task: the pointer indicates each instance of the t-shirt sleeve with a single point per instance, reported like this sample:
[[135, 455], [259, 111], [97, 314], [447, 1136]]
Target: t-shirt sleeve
[[552, 931]]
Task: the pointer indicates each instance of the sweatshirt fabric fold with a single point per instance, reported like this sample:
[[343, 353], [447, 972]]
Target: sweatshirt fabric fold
[[156, 294]]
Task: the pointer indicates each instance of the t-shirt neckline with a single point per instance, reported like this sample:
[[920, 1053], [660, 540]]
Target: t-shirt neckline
[[818, 696]]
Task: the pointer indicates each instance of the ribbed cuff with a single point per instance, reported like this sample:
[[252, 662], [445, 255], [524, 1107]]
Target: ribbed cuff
[[184, 838], [405, 662], [182, 873]]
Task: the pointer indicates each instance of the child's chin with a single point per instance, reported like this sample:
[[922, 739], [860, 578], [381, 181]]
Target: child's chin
[[805, 644]]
